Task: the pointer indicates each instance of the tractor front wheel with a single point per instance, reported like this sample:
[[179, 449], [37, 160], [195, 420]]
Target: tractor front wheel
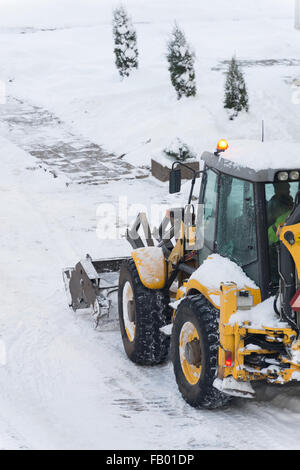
[[142, 312], [195, 340]]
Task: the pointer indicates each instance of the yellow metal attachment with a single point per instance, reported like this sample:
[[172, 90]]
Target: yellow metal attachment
[[228, 306], [292, 246]]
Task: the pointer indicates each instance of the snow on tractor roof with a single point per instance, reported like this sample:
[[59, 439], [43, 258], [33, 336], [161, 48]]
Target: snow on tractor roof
[[264, 155], [254, 160]]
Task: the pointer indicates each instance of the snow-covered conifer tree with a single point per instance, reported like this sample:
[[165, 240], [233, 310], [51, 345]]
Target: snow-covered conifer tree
[[179, 150], [236, 95], [126, 52], [181, 64]]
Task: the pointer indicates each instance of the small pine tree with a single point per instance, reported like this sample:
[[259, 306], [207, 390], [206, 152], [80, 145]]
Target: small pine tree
[[179, 150], [236, 95], [181, 64], [126, 52]]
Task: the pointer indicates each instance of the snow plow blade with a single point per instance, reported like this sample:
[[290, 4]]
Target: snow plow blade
[[90, 283]]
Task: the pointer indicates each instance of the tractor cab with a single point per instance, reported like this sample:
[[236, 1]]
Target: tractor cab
[[247, 193]]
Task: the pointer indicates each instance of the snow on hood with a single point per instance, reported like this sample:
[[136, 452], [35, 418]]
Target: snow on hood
[[259, 316], [263, 155], [217, 269]]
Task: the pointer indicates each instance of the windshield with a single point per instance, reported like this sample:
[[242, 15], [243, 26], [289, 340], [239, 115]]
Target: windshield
[[279, 203]]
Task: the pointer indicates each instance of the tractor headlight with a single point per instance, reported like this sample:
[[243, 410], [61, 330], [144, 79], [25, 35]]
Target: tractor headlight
[[294, 175], [283, 176]]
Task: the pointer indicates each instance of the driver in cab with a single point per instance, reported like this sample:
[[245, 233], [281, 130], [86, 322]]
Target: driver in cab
[[278, 209]]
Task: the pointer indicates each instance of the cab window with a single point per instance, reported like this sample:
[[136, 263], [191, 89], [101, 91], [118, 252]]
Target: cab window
[[280, 200], [236, 232]]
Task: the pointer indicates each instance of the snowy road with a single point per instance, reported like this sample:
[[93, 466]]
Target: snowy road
[[66, 385]]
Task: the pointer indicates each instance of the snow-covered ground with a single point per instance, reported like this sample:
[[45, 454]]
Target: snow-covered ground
[[63, 384]]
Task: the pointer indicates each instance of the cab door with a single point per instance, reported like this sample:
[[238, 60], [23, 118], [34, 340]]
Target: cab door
[[236, 237], [209, 198]]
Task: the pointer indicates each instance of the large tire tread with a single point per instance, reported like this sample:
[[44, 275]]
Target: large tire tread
[[150, 345], [198, 310]]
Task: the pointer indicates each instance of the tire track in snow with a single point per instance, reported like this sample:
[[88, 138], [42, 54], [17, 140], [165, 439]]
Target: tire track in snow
[[245, 424]]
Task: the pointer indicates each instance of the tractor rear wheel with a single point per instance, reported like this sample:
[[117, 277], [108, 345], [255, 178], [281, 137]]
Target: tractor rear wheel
[[195, 344], [142, 312]]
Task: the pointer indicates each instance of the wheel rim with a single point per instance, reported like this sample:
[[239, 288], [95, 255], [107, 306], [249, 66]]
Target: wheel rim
[[188, 334], [127, 298]]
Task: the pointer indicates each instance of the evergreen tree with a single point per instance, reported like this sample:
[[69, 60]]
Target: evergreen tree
[[179, 150], [181, 64], [126, 52], [236, 95]]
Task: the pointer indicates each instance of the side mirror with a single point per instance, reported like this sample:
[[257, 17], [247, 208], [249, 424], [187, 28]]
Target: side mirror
[[175, 181]]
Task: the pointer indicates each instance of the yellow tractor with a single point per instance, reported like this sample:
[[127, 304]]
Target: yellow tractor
[[219, 281]]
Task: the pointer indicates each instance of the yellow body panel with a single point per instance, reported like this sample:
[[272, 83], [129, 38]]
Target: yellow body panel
[[227, 338], [213, 295], [151, 266], [295, 248]]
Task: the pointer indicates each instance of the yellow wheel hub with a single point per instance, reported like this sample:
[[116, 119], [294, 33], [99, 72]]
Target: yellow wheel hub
[[189, 341], [129, 324]]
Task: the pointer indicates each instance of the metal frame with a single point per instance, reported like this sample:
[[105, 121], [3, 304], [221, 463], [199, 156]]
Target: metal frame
[[134, 238]]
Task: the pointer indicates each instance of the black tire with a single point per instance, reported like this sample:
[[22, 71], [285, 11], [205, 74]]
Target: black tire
[[148, 346], [205, 319]]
